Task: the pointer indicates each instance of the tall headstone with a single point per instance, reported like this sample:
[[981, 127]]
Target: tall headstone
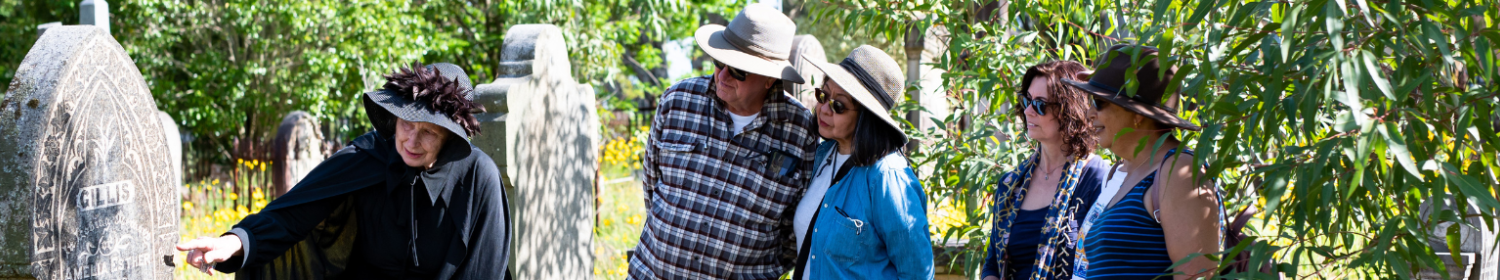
[[94, 12], [298, 148], [542, 130], [804, 48], [85, 191]]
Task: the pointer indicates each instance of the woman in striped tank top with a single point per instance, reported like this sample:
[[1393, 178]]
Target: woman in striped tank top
[[1162, 213]]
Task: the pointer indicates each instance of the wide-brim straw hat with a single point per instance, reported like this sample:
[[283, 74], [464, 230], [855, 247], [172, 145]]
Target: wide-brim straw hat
[[384, 106], [758, 41], [872, 77], [1113, 69]]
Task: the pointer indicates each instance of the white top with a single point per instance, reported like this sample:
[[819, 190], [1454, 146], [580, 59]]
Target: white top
[[1081, 260], [741, 121], [814, 197]]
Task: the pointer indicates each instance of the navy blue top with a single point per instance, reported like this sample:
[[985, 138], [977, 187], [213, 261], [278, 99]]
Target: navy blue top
[[1125, 242], [1026, 231], [1024, 240]]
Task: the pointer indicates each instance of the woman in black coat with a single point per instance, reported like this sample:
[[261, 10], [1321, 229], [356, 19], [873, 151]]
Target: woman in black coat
[[411, 200]]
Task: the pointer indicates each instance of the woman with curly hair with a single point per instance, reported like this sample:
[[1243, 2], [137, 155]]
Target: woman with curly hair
[[1036, 205], [411, 200]]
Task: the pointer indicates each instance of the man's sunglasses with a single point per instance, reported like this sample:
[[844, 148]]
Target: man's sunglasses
[[735, 73], [824, 97]]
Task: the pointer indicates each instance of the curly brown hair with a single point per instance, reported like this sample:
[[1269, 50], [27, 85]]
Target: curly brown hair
[[1072, 105], [429, 86]]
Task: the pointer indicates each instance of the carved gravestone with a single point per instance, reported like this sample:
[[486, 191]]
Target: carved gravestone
[[542, 130], [297, 149], [806, 47], [85, 187]]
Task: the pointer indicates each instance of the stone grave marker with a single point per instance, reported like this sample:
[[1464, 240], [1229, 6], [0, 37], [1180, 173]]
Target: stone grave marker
[[86, 188], [297, 149], [42, 29], [542, 130], [94, 12], [806, 46], [1477, 250]]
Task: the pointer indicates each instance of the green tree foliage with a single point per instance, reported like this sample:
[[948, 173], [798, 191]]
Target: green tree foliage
[[1340, 118], [230, 70], [18, 22]]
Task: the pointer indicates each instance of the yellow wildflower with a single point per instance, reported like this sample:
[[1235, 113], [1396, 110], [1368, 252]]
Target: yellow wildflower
[[234, 196]]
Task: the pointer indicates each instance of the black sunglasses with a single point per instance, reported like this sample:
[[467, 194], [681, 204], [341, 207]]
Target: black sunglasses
[[824, 97], [1036, 104], [735, 73]]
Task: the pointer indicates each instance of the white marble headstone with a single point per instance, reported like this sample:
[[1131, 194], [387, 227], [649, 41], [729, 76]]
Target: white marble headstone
[[86, 175]]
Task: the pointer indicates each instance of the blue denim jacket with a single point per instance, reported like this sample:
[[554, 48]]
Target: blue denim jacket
[[872, 224]]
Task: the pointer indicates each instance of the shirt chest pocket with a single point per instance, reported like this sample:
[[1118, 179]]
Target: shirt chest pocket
[[849, 237], [678, 151]]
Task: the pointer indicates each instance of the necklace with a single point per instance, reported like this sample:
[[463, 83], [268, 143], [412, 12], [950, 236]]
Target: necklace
[[1047, 175]]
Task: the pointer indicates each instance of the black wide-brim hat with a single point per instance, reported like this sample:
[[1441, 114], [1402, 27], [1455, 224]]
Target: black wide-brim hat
[[383, 106], [1114, 68]]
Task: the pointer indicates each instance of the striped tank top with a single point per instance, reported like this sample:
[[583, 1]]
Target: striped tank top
[[1125, 242]]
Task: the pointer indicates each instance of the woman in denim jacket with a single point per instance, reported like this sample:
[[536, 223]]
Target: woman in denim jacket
[[864, 216]]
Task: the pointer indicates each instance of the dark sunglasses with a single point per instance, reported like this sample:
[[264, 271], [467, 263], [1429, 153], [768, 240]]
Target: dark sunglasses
[[735, 73], [1036, 104], [824, 97]]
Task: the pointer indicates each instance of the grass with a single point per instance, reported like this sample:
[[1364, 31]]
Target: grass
[[622, 212]]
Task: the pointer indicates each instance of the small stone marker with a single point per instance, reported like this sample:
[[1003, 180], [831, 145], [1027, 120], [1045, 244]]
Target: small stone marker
[[806, 46], [297, 149], [86, 188], [42, 29], [542, 130]]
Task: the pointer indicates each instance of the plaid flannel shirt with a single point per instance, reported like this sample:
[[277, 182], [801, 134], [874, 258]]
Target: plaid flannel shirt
[[721, 203]]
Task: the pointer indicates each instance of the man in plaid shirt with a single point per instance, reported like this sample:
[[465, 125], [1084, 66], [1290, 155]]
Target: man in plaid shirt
[[729, 156]]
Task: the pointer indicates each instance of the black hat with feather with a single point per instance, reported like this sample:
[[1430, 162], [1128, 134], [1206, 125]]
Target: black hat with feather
[[439, 94]]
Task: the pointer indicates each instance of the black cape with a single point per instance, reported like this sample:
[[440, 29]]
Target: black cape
[[282, 249]]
